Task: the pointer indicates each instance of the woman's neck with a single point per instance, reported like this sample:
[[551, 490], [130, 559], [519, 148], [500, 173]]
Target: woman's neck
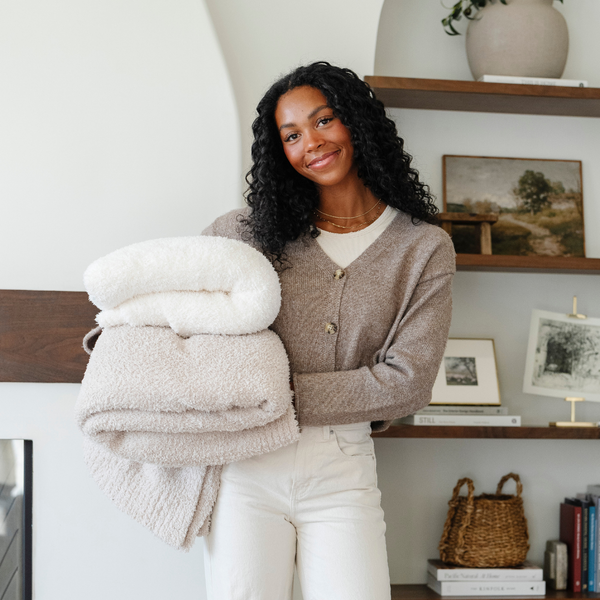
[[348, 208]]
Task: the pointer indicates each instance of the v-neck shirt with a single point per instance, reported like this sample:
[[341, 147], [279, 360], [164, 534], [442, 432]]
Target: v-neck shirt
[[345, 248]]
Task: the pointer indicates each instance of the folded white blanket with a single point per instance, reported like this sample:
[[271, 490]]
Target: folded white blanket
[[236, 288], [161, 413]]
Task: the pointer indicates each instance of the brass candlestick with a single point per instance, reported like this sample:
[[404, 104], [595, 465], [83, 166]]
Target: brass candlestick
[[573, 422], [575, 314]]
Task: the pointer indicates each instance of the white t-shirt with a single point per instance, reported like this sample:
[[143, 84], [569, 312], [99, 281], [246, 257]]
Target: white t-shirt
[[344, 248]]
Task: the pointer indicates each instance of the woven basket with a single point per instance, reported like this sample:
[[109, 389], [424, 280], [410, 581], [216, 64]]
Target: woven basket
[[485, 531]]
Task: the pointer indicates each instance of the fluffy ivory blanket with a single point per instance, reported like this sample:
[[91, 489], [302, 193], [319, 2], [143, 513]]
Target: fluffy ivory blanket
[[190, 284], [161, 413]]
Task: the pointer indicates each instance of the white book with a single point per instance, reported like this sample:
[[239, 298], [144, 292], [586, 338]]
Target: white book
[[533, 81], [441, 571], [444, 409], [487, 588], [469, 420]]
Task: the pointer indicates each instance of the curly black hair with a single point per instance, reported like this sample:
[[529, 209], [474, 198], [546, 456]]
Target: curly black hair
[[282, 201]]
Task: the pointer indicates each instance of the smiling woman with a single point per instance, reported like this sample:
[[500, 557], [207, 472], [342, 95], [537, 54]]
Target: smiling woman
[[365, 310], [319, 147]]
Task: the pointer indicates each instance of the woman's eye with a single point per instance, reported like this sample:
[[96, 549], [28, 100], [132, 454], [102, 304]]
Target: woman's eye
[[291, 137], [325, 120]]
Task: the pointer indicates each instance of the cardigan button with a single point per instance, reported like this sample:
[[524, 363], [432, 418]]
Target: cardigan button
[[339, 274], [331, 328]]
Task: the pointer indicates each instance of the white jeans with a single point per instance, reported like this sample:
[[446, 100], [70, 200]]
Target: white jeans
[[313, 504]]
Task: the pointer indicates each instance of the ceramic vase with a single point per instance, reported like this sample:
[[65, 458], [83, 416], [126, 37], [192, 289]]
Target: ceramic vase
[[523, 38]]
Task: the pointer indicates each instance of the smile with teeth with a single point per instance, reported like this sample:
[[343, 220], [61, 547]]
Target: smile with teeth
[[323, 161]]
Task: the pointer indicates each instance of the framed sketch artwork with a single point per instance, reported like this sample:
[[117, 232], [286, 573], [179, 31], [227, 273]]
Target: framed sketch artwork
[[563, 356], [468, 374], [535, 205]]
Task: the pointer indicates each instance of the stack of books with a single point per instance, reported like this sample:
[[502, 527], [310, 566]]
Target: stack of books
[[482, 416], [447, 580], [580, 532]]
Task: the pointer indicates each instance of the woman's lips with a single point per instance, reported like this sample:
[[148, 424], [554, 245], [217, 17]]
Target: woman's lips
[[323, 161]]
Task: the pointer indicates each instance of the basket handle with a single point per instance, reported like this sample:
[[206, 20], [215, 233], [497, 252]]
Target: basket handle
[[505, 479], [453, 503]]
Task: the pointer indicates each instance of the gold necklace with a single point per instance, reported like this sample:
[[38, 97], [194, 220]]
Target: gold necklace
[[356, 217], [357, 225]]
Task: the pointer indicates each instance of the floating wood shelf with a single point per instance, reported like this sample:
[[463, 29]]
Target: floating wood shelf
[[512, 433], [41, 335], [422, 592], [475, 96], [532, 264]]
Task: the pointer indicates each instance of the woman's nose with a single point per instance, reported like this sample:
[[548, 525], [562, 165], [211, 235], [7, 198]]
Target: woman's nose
[[313, 141]]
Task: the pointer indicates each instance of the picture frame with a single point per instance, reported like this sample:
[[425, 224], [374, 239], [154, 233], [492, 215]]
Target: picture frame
[[563, 356], [535, 205], [468, 374], [16, 518]]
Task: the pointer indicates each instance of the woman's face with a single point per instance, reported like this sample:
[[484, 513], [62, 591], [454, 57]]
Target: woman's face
[[315, 141]]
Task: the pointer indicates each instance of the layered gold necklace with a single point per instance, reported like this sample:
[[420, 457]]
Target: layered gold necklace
[[355, 226]]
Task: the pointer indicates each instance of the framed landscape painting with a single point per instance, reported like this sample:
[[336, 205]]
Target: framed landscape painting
[[538, 202], [468, 374]]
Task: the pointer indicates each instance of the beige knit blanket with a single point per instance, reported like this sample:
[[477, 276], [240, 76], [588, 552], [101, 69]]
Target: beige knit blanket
[[162, 413]]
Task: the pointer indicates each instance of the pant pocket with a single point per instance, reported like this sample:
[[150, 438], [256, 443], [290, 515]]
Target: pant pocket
[[354, 443]]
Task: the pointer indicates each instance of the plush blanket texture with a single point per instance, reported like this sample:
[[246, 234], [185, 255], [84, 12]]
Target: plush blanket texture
[[183, 377], [236, 288]]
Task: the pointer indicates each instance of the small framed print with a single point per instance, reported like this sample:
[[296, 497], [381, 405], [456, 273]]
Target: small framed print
[[468, 374], [563, 356]]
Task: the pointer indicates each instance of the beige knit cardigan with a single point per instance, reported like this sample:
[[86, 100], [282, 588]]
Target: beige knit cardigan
[[365, 342]]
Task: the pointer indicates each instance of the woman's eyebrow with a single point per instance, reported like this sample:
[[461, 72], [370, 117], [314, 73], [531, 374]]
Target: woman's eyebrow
[[310, 116]]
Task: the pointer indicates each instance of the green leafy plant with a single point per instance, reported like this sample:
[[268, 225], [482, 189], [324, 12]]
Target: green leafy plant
[[466, 8]]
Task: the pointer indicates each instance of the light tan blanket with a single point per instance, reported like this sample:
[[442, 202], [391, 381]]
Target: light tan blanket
[[161, 414]]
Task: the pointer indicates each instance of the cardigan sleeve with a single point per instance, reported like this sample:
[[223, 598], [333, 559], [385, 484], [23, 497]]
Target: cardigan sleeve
[[401, 376]]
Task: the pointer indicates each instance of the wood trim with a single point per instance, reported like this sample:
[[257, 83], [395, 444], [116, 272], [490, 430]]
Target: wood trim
[[475, 96], [513, 433], [41, 335], [532, 264]]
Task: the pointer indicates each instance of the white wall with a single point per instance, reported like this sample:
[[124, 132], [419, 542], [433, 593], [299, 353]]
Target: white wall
[[263, 40], [117, 124], [417, 476]]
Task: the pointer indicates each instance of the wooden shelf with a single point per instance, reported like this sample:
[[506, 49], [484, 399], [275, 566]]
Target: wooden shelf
[[475, 96], [41, 335], [422, 592], [530, 264], [512, 433]]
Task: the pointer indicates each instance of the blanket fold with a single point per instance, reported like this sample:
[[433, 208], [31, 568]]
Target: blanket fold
[[183, 377]]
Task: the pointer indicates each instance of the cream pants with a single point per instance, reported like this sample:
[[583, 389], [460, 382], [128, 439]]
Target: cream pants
[[313, 505]]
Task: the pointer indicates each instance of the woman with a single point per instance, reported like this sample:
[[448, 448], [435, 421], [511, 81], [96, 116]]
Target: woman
[[366, 304]]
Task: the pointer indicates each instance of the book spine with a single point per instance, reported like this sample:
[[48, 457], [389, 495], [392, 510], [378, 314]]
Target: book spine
[[490, 588], [534, 81], [570, 534], [468, 420], [462, 410], [585, 511], [592, 550], [577, 544], [486, 574], [597, 503]]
